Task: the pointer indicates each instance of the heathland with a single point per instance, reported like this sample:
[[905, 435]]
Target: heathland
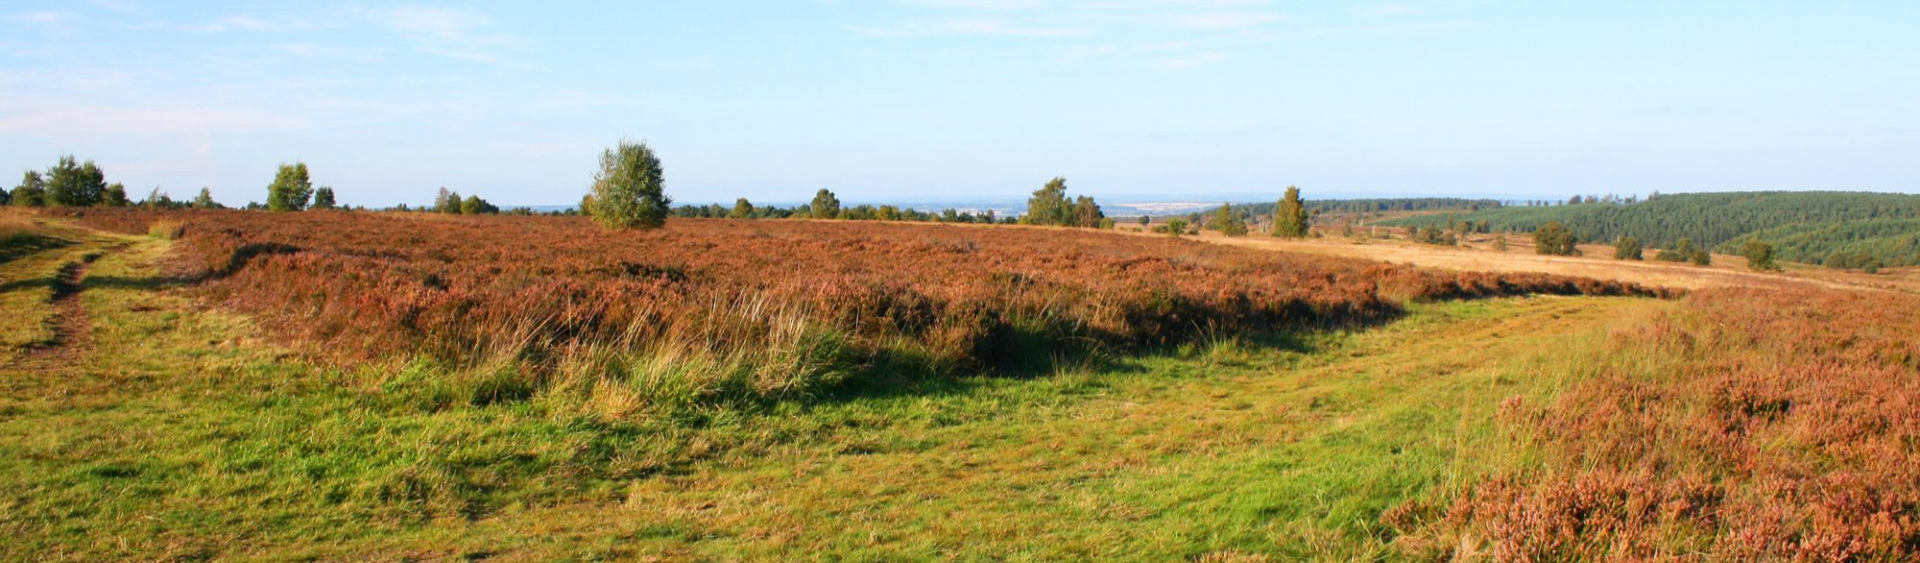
[[336, 385]]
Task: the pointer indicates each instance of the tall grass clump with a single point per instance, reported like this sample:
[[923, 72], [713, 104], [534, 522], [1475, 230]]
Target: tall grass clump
[[166, 229]]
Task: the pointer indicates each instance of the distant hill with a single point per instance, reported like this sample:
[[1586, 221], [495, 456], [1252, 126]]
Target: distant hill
[[1849, 229]]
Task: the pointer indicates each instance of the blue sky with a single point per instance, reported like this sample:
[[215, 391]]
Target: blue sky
[[940, 99]]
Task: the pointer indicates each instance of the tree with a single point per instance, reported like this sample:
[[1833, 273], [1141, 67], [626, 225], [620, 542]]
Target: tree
[[323, 198], [115, 196], [5, 197], [291, 188], [629, 191], [1627, 248], [205, 200], [1086, 213], [1553, 239], [824, 205], [1682, 251], [157, 199], [72, 184], [1176, 226], [1500, 242], [473, 205], [1759, 255], [1290, 215], [1048, 205], [454, 201], [32, 191], [447, 201], [743, 209], [1228, 223], [1144, 221]]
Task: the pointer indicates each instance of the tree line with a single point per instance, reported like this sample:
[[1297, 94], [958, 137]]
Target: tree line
[[1841, 229]]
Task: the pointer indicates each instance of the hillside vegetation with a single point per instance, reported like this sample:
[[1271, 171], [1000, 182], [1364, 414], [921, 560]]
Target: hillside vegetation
[[223, 389], [1806, 227]]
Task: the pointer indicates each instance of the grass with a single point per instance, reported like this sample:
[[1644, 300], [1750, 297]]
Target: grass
[[184, 435]]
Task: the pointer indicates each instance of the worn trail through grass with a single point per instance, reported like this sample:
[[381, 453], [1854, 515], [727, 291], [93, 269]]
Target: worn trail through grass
[[181, 435]]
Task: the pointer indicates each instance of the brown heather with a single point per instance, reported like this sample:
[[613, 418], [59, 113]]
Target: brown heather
[[777, 307], [1753, 426]]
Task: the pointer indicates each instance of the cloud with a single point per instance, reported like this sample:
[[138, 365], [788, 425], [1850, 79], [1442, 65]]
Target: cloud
[[40, 18], [1193, 60], [460, 34], [964, 26]]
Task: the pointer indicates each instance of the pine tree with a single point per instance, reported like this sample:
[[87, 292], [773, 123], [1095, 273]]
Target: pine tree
[[629, 191], [1290, 215], [742, 209], [205, 200], [291, 188], [1228, 223], [323, 198], [32, 191]]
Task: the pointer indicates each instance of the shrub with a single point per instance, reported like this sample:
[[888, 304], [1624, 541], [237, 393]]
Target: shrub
[[1176, 227], [1759, 256], [1553, 239], [1627, 248], [629, 191]]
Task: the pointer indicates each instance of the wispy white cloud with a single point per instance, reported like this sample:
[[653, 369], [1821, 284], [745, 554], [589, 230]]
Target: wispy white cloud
[[40, 18], [961, 26], [455, 33]]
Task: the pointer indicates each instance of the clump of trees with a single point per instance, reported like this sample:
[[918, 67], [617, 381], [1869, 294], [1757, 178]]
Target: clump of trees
[[629, 191], [32, 191], [1049, 205], [1433, 235], [450, 202], [1555, 240], [1684, 251], [291, 188], [1229, 223], [1627, 248], [1290, 219]]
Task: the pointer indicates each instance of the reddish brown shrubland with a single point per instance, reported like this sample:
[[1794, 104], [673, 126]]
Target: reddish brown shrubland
[[1756, 426], [541, 290]]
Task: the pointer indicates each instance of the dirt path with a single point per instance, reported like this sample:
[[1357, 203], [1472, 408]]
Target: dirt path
[[71, 328]]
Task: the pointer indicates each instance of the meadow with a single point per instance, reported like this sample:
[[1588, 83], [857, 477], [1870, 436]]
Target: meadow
[[354, 386]]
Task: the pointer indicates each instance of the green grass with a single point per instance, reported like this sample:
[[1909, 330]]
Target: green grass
[[187, 435]]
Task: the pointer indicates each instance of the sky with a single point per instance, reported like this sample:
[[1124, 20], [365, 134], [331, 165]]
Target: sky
[[927, 100]]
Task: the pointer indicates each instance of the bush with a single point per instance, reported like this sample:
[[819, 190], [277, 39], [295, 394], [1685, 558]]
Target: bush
[[166, 229], [1176, 226], [629, 191], [1627, 248], [1759, 256], [1553, 239]]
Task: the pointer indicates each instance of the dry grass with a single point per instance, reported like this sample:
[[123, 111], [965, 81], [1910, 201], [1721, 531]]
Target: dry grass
[[1478, 255]]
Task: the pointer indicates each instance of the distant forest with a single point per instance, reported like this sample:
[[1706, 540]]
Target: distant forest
[[1840, 229]]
